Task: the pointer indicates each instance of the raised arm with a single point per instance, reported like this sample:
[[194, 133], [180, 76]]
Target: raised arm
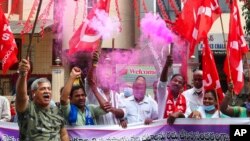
[[224, 107], [92, 82], [22, 97], [161, 87], [74, 74], [164, 73]]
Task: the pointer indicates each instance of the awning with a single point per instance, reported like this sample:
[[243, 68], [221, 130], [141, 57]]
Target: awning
[[17, 26]]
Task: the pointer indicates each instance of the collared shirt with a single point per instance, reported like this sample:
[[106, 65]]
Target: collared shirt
[[138, 112], [115, 100], [80, 121], [4, 109], [193, 100]]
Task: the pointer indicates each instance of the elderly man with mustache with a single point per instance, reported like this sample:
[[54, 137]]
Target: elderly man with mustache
[[37, 120]]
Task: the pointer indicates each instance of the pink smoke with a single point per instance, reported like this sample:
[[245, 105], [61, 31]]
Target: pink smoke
[[107, 26], [154, 28]]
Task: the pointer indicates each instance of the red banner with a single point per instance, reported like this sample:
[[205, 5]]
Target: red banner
[[195, 21], [8, 47], [86, 38], [236, 47], [211, 79]]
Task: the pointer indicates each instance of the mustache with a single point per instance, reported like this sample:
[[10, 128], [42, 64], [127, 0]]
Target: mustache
[[46, 95]]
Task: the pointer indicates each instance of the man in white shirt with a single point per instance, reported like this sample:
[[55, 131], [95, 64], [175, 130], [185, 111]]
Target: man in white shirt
[[4, 109], [103, 76], [141, 108], [194, 96]]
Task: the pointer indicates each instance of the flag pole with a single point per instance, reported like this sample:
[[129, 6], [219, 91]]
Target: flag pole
[[217, 102], [225, 44], [33, 30], [227, 51]]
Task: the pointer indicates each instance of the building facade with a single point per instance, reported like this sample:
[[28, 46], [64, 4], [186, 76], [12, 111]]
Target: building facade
[[63, 19]]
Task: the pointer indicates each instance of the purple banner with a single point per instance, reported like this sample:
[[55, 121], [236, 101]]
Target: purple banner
[[159, 133], [182, 130]]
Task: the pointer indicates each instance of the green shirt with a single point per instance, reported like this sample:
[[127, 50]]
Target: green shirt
[[94, 110], [240, 111], [39, 124]]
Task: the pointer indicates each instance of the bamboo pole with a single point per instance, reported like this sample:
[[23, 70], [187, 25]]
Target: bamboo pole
[[33, 30], [227, 50], [217, 102]]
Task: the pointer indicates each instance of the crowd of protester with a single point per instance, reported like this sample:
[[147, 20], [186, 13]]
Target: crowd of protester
[[91, 101]]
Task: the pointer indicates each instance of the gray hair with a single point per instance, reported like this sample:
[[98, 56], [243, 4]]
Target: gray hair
[[34, 85]]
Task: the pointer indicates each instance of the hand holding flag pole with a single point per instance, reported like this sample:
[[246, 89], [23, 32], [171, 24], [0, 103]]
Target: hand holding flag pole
[[227, 50]]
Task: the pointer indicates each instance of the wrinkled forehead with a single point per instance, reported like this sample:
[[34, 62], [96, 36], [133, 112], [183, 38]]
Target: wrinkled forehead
[[44, 84]]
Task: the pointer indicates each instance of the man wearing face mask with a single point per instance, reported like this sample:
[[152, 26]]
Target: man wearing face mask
[[194, 96]]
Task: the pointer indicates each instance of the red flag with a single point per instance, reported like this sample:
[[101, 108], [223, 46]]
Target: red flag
[[8, 48], [236, 47], [196, 19], [86, 38], [210, 75]]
